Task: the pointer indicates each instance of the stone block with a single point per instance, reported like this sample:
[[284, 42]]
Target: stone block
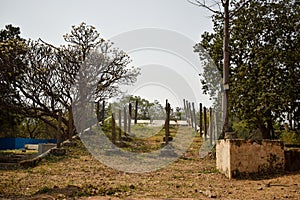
[[237, 158], [31, 146], [45, 147]]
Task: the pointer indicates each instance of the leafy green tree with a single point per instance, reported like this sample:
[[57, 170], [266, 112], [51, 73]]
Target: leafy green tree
[[264, 54], [36, 128], [12, 51], [157, 111], [224, 10], [146, 110], [144, 107]]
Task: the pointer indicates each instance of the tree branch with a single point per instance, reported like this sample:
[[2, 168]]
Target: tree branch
[[203, 5]]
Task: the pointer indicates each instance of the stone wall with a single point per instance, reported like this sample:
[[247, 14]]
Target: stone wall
[[237, 158], [292, 159]]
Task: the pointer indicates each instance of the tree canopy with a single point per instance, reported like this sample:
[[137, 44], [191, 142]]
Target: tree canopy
[[12, 65], [39, 79], [264, 61]]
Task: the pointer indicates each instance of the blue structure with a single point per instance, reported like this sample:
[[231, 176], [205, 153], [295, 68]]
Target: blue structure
[[19, 143]]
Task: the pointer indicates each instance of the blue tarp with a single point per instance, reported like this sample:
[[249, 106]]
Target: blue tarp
[[19, 143]]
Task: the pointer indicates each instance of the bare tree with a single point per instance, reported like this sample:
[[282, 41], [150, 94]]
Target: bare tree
[[58, 78], [45, 85], [103, 69]]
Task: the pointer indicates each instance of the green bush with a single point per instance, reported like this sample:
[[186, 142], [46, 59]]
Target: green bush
[[291, 137], [106, 127], [246, 131], [242, 129]]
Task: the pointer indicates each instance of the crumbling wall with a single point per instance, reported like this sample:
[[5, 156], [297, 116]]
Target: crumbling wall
[[292, 159], [236, 158]]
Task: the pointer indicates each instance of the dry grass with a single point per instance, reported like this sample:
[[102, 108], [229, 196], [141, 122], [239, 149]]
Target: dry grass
[[79, 174], [18, 151]]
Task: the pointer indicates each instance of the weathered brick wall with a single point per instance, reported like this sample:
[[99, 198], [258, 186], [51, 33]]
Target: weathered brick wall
[[237, 157], [292, 159]]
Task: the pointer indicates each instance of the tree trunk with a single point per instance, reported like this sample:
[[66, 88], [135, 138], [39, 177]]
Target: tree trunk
[[58, 134], [167, 122], [270, 129], [200, 120], [264, 130], [136, 112], [226, 67]]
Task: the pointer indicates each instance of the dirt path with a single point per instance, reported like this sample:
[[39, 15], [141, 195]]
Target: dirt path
[[80, 176]]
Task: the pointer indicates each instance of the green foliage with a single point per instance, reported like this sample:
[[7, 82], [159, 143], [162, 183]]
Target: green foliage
[[242, 129], [106, 127], [10, 32], [142, 138], [211, 170], [146, 110], [291, 137], [265, 78], [143, 107], [264, 59], [12, 51], [38, 79], [12, 64], [246, 130], [35, 128]]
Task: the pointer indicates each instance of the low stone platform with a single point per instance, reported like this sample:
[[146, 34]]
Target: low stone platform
[[239, 158]]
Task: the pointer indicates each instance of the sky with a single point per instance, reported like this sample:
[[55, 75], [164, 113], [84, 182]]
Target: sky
[[177, 20]]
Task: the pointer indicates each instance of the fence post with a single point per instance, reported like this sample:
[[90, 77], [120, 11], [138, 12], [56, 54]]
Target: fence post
[[200, 120], [188, 116], [191, 114], [167, 122], [185, 110], [91, 116], [194, 116], [120, 125], [58, 135], [125, 121], [216, 127], [103, 112], [98, 111], [210, 126], [70, 124], [136, 111], [129, 117], [205, 127], [113, 129]]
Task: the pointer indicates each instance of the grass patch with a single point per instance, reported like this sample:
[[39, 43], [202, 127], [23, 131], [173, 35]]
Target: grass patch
[[79, 174], [142, 137], [211, 170]]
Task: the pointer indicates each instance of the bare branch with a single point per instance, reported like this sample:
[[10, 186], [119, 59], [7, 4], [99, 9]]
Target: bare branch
[[46, 43], [223, 2], [204, 5]]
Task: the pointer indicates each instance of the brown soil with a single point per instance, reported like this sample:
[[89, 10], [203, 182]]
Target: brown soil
[[79, 176]]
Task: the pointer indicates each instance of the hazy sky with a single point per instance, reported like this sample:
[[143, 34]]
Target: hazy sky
[[51, 19]]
